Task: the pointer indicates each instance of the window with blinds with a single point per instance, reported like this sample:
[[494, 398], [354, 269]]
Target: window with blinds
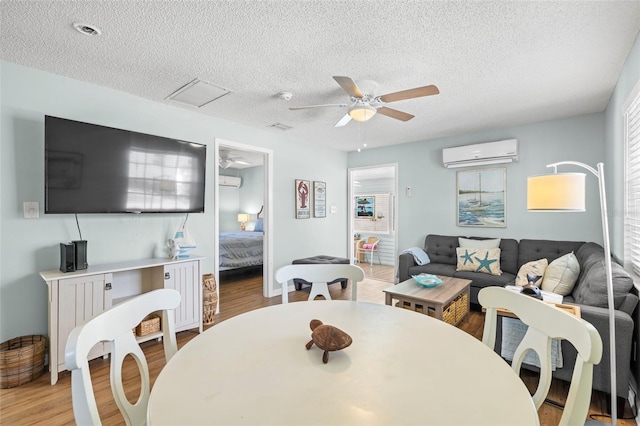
[[632, 183]]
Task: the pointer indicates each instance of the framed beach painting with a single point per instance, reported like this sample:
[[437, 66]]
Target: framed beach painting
[[481, 198]]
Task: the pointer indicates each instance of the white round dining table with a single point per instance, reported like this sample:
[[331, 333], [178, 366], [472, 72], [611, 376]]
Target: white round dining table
[[403, 368]]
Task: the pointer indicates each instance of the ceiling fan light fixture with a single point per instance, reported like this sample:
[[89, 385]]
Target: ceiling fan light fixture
[[362, 112]]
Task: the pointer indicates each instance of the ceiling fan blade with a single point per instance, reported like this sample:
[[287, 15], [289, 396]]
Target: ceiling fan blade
[[416, 92], [394, 113], [343, 121], [317, 106], [349, 86]]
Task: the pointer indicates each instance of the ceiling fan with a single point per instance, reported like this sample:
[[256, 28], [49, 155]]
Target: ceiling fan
[[226, 160], [364, 105]]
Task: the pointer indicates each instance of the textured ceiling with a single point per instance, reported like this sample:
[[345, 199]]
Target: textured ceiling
[[496, 63]]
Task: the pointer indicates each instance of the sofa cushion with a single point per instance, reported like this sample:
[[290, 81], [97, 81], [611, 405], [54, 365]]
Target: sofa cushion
[[561, 275], [441, 249], [479, 260], [586, 250], [433, 268], [536, 267], [585, 258], [545, 249], [591, 288], [481, 280]]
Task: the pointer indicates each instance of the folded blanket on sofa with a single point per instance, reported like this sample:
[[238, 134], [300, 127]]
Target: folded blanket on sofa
[[418, 254], [513, 331]]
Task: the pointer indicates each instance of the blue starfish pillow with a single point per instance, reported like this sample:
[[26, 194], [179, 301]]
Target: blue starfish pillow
[[482, 260]]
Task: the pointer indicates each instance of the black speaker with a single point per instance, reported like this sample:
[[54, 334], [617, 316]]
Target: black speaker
[[67, 257], [81, 254]]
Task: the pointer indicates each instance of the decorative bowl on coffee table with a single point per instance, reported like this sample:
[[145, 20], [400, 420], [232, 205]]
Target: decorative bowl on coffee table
[[427, 280]]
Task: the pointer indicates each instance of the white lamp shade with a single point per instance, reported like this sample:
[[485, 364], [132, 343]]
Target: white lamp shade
[[243, 217], [362, 112], [556, 192]]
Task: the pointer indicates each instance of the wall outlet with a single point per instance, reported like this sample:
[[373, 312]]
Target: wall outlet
[[408, 191]]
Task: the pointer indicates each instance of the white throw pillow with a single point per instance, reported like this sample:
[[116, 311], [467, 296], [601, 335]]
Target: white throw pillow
[[488, 244], [561, 275], [536, 267]]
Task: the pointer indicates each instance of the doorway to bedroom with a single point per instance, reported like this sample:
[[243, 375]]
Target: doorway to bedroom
[[242, 194]]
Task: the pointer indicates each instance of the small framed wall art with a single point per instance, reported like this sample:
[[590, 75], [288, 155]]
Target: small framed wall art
[[319, 199], [365, 207], [302, 194]]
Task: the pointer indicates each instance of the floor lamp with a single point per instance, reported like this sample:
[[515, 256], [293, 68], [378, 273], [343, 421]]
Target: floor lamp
[[560, 192]]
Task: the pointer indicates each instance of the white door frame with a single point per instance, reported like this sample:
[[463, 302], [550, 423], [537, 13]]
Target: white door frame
[[267, 262], [394, 204]]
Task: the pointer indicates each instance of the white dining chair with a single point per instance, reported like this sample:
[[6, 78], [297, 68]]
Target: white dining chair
[[115, 325], [319, 276], [546, 322]]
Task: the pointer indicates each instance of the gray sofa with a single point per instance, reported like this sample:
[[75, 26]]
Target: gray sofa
[[590, 293]]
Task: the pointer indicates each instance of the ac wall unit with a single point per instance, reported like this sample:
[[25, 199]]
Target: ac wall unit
[[481, 154], [230, 181]]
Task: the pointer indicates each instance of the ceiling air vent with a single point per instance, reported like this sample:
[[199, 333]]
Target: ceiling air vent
[[280, 126], [198, 93]]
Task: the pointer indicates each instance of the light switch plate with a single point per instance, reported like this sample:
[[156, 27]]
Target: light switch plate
[[31, 209]]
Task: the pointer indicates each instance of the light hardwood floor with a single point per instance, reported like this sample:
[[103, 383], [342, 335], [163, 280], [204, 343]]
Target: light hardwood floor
[[40, 403]]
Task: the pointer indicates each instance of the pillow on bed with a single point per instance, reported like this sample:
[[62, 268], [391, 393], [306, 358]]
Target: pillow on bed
[[258, 227]]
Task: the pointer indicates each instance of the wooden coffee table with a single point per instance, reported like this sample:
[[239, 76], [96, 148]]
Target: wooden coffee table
[[448, 301]]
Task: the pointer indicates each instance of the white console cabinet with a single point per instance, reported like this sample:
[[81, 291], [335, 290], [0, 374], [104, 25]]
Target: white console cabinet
[[75, 297]]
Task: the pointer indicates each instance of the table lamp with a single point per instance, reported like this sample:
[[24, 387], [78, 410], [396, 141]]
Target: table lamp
[[243, 218], [565, 192]]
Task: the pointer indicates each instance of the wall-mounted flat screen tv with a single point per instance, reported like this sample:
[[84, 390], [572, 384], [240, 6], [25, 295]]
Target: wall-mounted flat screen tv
[[97, 169]]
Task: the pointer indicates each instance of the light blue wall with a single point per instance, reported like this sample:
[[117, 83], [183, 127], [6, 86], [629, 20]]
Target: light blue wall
[[432, 207], [31, 245], [252, 192], [229, 200], [249, 198], [614, 154]]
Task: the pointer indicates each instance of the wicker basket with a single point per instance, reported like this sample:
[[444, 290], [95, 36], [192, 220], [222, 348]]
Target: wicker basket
[[449, 313], [462, 306], [21, 360], [150, 324], [209, 299]]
